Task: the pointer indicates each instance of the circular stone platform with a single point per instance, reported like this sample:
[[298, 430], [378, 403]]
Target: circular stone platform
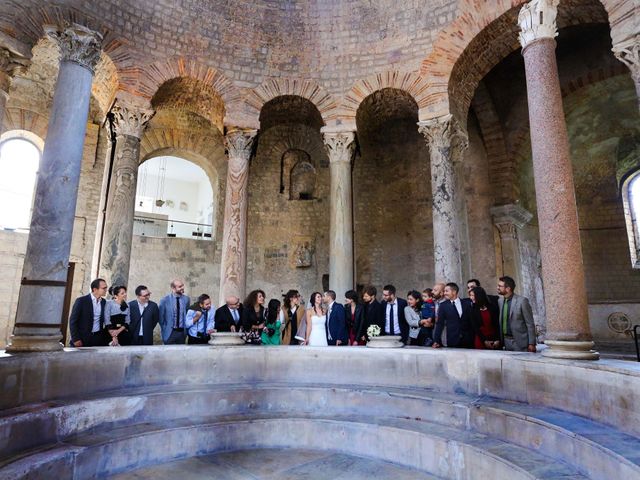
[[276, 464]]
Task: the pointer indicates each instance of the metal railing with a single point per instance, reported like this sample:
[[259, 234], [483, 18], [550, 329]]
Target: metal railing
[[151, 226], [635, 339]]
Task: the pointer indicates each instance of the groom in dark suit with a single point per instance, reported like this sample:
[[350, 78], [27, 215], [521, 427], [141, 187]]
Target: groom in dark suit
[[395, 322], [336, 324], [144, 317], [454, 314]]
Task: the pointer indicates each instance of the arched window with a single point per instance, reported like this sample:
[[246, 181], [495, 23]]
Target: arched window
[[20, 160], [631, 200]]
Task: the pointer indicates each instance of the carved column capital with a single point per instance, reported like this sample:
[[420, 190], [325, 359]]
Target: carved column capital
[[131, 120], [628, 52], [444, 133], [537, 19], [239, 142], [509, 218], [77, 44], [11, 64], [339, 146]]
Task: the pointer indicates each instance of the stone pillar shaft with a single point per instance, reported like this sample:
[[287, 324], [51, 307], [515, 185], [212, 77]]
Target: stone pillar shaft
[[44, 274], [121, 201], [340, 147], [562, 268], [446, 143], [239, 143]]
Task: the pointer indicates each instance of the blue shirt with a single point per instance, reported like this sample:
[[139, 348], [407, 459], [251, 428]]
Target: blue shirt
[[203, 325]]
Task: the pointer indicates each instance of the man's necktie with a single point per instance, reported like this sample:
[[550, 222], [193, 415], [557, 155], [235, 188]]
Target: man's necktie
[[204, 327], [177, 312], [392, 330], [234, 314], [505, 316]]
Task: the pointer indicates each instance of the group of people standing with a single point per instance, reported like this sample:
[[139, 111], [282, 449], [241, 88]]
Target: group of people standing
[[435, 317]]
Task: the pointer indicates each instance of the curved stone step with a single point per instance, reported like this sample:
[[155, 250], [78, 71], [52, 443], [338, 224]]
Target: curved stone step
[[592, 448], [439, 450]]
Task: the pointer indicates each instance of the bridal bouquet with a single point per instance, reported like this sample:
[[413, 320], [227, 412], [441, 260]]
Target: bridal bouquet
[[373, 331]]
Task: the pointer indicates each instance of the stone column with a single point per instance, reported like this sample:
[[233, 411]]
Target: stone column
[[44, 274], [628, 52], [568, 333], [239, 143], [509, 219], [340, 147], [447, 142], [129, 123], [10, 65]]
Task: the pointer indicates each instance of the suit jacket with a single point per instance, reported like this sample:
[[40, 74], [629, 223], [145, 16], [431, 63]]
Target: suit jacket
[[223, 319], [166, 307], [81, 319], [287, 331], [150, 318], [401, 303], [336, 325], [359, 325], [521, 322], [459, 327], [373, 315]]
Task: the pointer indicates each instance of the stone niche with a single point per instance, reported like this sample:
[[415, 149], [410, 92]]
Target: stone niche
[[302, 176]]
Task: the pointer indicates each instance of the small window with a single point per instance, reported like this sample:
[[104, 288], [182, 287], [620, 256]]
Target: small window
[[20, 160]]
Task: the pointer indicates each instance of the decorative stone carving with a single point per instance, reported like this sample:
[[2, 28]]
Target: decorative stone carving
[[11, 64], [619, 322], [628, 52], [303, 252], [77, 44], [537, 19], [508, 218], [131, 121], [340, 146], [239, 143], [447, 142]]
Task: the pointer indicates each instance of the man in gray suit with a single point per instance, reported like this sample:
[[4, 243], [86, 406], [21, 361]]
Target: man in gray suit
[[173, 311], [517, 330]]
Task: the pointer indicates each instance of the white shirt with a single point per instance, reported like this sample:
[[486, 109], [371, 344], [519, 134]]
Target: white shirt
[[396, 327], [141, 307], [329, 308], [97, 310], [458, 305]]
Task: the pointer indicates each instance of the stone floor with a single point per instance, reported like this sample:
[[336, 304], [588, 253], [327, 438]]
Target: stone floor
[[272, 464]]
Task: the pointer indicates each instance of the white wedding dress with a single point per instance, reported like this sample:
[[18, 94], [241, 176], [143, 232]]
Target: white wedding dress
[[318, 337]]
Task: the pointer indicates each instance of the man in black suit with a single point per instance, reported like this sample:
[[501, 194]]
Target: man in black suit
[[145, 315], [395, 322], [474, 282], [336, 323], [228, 317], [86, 322], [455, 315]]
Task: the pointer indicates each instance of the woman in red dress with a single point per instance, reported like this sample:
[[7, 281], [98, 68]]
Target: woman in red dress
[[485, 321]]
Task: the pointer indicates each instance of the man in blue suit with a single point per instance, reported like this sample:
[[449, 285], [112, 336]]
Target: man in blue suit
[[455, 315], [173, 312], [336, 325]]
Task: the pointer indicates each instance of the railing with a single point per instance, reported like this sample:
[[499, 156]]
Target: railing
[[635, 339], [161, 226]]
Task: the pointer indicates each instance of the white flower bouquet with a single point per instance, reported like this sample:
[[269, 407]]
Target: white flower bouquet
[[373, 331]]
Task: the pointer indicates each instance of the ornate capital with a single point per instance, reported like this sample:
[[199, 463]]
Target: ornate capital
[[444, 133], [537, 19], [628, 52], [239, 142], [340, 146], [11, 64], [131, 121], [510, 217], [77, 44]]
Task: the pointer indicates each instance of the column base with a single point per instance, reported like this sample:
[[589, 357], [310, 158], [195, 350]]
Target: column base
[[570, 350], [34, 343]]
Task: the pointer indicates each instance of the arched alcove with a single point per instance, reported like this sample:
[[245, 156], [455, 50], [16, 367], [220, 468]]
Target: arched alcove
[[302, 174]]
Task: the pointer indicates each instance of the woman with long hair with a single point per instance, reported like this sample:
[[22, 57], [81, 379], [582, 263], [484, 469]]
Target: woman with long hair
[[485, 320], [117, 317], [412, 314], [293, 319], [355, 318], [316, 322], [253, 316], [271, 331]]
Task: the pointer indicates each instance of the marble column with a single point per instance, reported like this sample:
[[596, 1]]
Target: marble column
[[447, 142], [568, 332], [10, 65], [628, 52], [115, 258], [340, 147], [508, 219], [44, 274], [239, 144]]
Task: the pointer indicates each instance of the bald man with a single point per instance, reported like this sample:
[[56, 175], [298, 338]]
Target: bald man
[[228, 317]]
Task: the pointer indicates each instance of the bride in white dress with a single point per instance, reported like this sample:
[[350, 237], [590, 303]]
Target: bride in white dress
[[316, 330]]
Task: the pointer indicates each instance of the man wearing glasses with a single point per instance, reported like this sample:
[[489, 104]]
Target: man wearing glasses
[[144, 317]]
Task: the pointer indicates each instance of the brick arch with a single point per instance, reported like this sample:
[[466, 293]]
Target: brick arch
[[27, 120], [205, 145], [297, 137], [482, 34], [410, 82], [308, 89]]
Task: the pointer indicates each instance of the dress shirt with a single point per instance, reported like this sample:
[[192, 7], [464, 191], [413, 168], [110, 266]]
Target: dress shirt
[[329, 308], [97, 310], [199, 326], [141, 307], [458, 304], [396, 326]]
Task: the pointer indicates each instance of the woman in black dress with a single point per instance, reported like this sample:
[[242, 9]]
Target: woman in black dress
[[253, 317]]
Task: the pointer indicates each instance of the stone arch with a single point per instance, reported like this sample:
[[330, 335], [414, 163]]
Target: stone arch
[[409, 82], [460, 57], [308, 89]]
